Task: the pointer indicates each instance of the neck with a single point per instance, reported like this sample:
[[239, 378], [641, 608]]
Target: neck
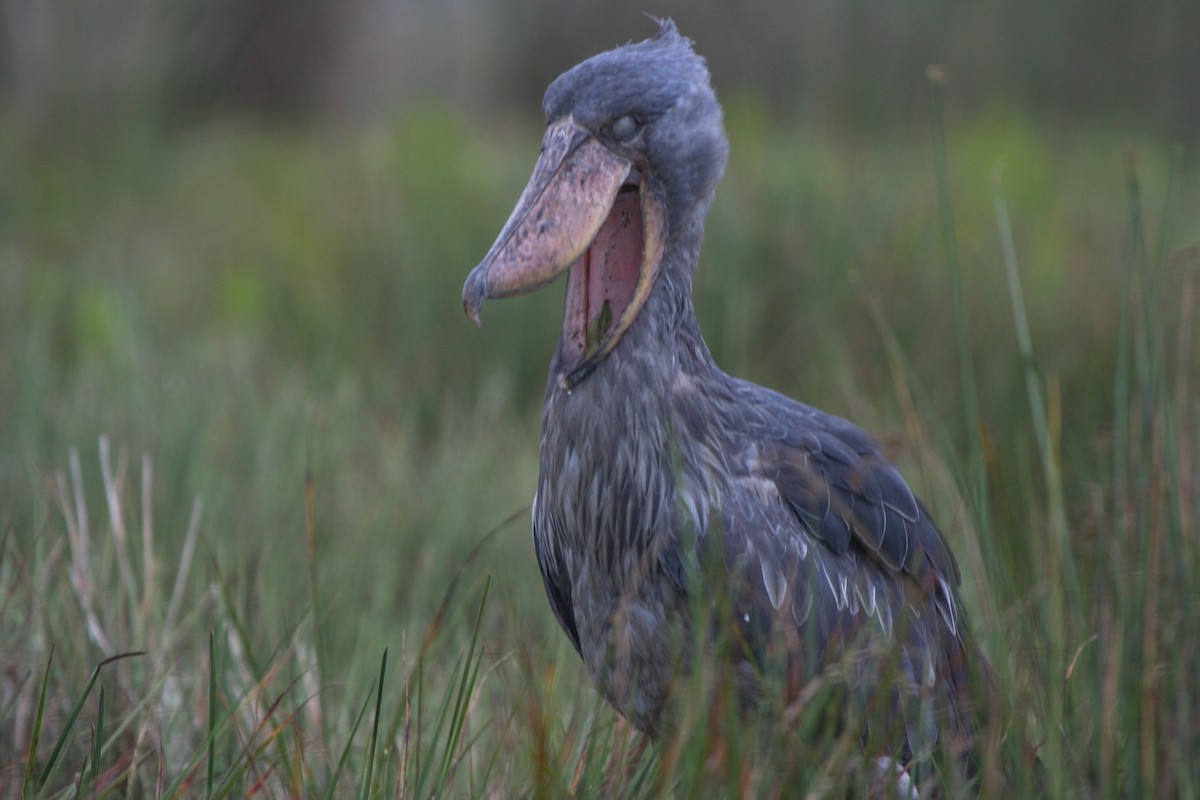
[[619, 426]]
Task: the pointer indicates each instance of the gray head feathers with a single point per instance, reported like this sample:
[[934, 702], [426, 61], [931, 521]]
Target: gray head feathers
[[665, 86]]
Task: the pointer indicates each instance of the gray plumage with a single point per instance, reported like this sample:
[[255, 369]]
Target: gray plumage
[[656, 459]]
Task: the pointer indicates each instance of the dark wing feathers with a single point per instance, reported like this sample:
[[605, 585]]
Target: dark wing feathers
[[840, 486], [935, 547], [557, 582], [876, 548]]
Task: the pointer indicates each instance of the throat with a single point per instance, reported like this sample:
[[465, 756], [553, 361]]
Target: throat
[[602, 284]]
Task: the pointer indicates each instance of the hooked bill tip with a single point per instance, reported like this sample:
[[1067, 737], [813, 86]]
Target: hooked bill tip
[[474, 293], [472, 313]]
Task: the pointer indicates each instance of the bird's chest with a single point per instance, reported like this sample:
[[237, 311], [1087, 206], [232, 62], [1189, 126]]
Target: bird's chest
[[607, 508], [606, 519], [606, 481]]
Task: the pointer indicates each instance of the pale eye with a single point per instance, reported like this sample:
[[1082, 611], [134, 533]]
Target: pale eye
[[625, 127]]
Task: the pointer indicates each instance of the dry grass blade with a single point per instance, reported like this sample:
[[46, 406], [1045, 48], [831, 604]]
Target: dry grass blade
[[113, 489], [185, 568], [79, 537], [149, 565]]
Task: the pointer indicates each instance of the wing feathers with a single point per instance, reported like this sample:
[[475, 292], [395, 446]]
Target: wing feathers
[[554, 574], [846, 494]]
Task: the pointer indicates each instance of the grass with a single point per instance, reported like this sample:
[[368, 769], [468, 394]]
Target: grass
[[250, 452]]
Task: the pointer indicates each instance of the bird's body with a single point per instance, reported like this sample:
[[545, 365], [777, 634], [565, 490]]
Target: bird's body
[[641, 465], [655, 463]]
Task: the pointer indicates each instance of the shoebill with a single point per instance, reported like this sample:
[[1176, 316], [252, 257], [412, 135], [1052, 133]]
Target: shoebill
[[656, 464]]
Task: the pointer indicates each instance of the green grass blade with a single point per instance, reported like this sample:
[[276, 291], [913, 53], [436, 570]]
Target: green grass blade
[[31, 758], [48, 770], [99, 740], [365, 788], [337, 770], [978, 489], [443, 715], [1060, 560], [466, 687], [415, 744], [212, 712]]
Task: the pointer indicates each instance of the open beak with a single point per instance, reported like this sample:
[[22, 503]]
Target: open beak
[[588, 210]]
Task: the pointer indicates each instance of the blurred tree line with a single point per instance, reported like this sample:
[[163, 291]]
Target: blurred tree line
[[855, 62]]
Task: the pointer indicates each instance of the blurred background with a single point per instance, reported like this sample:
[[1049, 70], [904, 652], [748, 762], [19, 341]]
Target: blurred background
[[233, 236], [857, 63]]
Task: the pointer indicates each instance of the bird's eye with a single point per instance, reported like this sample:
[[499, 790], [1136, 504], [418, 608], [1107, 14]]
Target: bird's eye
[[625, 127]]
